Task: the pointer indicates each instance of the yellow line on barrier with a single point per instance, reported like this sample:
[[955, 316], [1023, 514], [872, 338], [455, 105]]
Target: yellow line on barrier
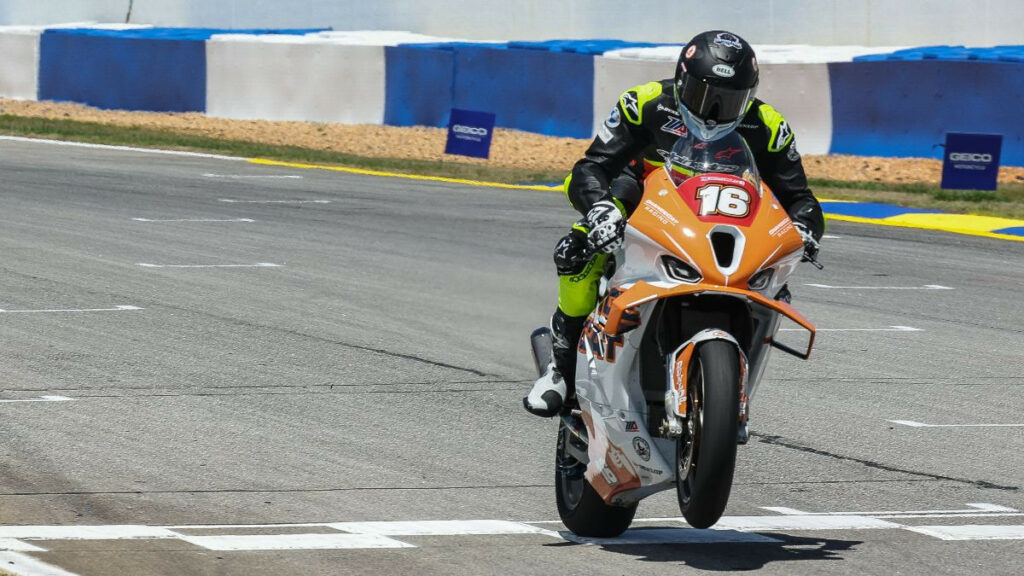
[[957, 223], [363, 172]]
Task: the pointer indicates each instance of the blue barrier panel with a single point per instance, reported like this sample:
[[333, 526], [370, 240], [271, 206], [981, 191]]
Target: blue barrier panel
[[536, 91], [418, 85], [156, 69], [995, 54], [905, 108]]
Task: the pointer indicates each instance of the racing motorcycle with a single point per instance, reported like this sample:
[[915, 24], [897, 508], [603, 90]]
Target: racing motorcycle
[[689, 310]]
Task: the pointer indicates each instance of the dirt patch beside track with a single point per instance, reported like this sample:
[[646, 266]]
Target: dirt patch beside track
[[510, 148]]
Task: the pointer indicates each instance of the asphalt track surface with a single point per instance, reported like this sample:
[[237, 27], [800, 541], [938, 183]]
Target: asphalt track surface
[[375, 375]]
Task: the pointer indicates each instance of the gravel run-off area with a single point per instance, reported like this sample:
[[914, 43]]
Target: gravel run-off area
[[510, 148]]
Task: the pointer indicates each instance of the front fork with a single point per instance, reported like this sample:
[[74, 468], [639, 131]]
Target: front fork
[[677, 409]]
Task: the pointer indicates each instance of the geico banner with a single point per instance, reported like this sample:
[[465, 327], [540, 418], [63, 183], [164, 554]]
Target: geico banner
[[971, 161], [469, 133]]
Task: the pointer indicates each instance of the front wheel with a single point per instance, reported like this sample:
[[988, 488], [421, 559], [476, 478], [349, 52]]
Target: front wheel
[[706, 452], [579, 506]]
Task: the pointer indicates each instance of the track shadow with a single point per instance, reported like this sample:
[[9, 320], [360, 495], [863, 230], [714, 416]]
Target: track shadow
[[750, 551]]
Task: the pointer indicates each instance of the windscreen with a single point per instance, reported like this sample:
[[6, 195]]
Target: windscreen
[[727, 155]]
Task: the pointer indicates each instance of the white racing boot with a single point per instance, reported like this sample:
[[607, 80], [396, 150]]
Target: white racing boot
[[547, 396]]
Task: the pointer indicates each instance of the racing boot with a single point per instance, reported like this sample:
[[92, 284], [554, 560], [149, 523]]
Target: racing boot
[[558, 383]]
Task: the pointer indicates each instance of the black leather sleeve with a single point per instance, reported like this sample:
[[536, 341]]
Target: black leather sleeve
[[784, 173], [617, 143]]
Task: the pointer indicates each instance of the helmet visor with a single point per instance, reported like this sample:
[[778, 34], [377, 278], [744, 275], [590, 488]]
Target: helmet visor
[[714, 103]]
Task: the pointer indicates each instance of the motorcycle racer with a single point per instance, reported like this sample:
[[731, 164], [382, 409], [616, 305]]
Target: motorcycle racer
[[711, 94]]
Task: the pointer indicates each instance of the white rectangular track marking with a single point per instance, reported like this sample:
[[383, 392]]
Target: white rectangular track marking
[[295, 542], [12, 545], [645, 536], [972, 532], [123, 148], [914, 424], [119, 308], [234, 201], [40, 399], [925, 287], [23, 565], [804, 522], [889, 329], [254, 176], [256, 265], [113, 532], [193, 219], [438, 528]]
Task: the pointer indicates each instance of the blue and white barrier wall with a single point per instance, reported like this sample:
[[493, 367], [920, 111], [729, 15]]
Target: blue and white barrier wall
[[896, 104]]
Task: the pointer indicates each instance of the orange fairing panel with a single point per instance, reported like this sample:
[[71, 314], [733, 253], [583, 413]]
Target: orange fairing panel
[[642, 292]]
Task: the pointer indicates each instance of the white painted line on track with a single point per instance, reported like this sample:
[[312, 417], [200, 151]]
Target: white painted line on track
[[119, 308], [255, 176], [804, 522], [925, 287], [123, 148], [12, 545], [889, 329], [438, 528], [914, 424], [972, 532], [294, 542], [831, 237], [256, 265], [975, 507], [112, 532], [234, 201], [648, 536], [40, 399], [194, 220], [23, 565]]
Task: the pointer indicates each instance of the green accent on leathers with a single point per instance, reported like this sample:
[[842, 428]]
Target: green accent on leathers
[[644, 94], [577, 294], [781, 133]]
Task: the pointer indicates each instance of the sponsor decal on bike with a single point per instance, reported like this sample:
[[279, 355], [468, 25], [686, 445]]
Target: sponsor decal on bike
[[723, 70], [659, 213], [649, 470], [642, 448], [631, 426], [674, 126], [727, 154], [728, 40]]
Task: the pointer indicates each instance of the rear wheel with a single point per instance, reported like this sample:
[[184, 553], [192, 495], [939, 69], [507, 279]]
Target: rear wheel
[[706, 455], [579, 506]]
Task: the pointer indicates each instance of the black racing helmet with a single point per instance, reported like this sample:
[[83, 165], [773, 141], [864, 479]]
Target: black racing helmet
[[715, 81]]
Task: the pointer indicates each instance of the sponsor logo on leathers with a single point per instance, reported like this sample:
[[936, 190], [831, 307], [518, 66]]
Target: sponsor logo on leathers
[[674, 126]]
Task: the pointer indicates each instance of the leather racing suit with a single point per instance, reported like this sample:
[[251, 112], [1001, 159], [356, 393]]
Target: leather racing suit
[[638, 133]]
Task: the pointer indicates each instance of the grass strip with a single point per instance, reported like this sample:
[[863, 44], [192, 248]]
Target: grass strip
[[1007, 202]]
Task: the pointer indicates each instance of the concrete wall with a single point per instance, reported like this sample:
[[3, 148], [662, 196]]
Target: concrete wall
[[822, 22]]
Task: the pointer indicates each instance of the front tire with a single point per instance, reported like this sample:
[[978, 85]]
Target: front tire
[[579, 506], [706, 453]]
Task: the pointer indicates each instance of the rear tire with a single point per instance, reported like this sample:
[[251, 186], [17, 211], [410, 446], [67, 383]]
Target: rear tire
[[579, 506], [706, 456]]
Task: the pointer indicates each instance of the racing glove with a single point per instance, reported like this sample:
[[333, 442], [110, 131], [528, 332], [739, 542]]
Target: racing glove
[[811, 245], [606, 224]]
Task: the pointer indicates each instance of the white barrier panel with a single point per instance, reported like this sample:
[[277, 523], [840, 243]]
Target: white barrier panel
[[294, 78], [613, 76], [19, 62], [800, 92]]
